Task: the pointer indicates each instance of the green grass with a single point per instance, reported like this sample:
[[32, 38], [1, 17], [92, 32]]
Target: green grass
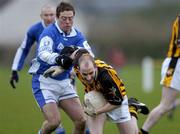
[[19, 113]]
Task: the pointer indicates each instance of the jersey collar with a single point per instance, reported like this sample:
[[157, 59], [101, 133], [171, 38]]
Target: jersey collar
[[43, 24], [72, 33]]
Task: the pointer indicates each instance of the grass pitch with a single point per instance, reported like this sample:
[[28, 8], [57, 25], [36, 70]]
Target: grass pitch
[[19, 113]]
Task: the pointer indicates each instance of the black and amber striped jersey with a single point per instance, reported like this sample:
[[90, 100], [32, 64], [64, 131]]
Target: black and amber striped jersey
[[107, 82], [174, 46]]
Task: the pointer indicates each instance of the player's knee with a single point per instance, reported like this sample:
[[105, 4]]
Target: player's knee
[[163, 109], [54, 123]]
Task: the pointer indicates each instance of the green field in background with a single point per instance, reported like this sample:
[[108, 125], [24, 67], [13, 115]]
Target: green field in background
[[19, 113]]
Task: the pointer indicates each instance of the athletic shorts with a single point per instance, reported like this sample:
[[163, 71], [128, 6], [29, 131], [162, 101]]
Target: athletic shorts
[[120, 114], [47, 90], [170, 73]]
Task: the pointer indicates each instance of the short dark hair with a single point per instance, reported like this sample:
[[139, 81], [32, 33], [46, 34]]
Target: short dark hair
[[64, 6], [81, 52]]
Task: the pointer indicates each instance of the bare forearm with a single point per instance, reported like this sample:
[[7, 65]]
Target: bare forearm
[[106, 108]]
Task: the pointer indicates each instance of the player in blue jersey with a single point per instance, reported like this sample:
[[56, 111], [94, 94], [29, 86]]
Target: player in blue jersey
[[48, 16], [32, 36], [52, 93]]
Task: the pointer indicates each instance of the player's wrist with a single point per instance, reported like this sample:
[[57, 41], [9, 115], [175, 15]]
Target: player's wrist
[[14, 72]]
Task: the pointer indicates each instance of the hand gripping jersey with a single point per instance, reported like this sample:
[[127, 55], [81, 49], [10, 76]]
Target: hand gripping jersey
[[107, 82]]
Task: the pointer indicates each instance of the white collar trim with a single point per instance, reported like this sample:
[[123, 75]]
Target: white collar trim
[[72, 33]]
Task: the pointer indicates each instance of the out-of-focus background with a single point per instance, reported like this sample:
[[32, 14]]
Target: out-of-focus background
[[135, 28], [121, 32]]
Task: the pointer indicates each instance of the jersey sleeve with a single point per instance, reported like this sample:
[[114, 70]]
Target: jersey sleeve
[[23, 50], [174, 45], [111, 90], [45, 50], [83, 43]]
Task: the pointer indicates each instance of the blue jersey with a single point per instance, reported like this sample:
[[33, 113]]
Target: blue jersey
[[52, 41], [31, 37]]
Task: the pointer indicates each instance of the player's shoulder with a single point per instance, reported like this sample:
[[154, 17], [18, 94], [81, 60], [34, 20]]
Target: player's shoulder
[[50, 29], [103, 75], [78, 33], [35, 27], [100, 63]]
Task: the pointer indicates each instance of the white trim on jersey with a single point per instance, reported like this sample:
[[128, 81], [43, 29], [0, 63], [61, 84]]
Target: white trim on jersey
[[19, 54], [43, 24], [87, 47], [72, 33]]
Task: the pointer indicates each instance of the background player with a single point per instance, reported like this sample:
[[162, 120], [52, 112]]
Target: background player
[[48, 15], [170, 80]]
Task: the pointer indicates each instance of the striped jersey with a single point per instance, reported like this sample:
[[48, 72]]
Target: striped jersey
[[30, 38], [174, 46], [107, 82], [51, 42]]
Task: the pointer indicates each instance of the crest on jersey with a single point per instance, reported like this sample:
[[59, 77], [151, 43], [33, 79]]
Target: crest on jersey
[[46, 41], [113, 91], [60, 46]]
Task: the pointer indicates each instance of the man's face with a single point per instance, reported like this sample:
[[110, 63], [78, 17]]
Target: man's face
[[48, 15], [66, 21], [88, 71]]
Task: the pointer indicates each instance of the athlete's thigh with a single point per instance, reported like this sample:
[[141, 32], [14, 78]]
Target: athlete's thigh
[[73, 108], [126, 127], [168, 96], [96, 124]]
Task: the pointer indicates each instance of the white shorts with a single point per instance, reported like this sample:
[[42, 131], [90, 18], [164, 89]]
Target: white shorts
[[170, 73], [48, 90], [120, 114]]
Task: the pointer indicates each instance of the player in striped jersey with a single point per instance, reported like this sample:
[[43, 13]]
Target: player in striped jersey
[[99, 76], [170, 80]]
